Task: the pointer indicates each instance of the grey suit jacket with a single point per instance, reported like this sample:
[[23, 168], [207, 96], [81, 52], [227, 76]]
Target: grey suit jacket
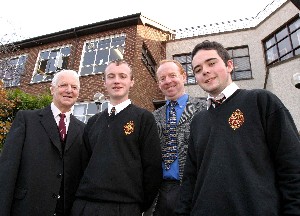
[[193, 106], [32, 164]]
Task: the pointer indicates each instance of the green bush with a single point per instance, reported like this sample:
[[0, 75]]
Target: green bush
[[18, 100], [25, 101]]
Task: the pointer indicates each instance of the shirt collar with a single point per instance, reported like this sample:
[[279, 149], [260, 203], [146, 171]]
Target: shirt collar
[[227, 92], [181, 100], [119, 107], [56, 111]]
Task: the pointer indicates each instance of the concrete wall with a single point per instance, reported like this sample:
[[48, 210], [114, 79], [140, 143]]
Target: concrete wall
[[279, 79]]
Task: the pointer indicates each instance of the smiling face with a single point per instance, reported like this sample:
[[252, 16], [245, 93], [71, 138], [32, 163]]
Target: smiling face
[[118, 81], [211, 73], [65, 91], [171, 80]]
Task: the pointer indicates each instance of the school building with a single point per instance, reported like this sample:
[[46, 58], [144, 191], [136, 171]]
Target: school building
[[265, 50]]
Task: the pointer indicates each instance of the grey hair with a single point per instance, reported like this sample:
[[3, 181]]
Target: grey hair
[[58, 74]]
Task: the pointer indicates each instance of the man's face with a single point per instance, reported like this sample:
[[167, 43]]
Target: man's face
[[211, 73], [170, 80], [118, 82], [66, 92]]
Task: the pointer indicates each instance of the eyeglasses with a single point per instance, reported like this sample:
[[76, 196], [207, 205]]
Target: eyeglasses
[[65, 86]]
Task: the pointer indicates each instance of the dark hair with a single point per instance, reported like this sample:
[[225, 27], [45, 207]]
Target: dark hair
[[212, 45]]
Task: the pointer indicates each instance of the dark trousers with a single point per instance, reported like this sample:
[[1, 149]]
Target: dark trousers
[[167, 198], [88, 208]]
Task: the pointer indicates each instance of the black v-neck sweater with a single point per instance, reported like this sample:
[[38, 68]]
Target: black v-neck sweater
[[125, 162], [243, 159]]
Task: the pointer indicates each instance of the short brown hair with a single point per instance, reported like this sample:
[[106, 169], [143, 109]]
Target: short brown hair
[[119, 62]]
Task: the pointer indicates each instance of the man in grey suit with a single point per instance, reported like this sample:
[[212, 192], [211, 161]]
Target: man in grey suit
[[40, 168], [171, 79]]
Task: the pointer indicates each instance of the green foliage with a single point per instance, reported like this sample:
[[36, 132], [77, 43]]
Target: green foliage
[[6, 113], [14, 100], [25, 101]]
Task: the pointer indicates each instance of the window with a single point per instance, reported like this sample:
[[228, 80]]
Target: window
[[83, 111], [11, 70], [97, 53], [241, 63], [240, 57], [186, 62], [283, 44], [49, 62], [147, 59]]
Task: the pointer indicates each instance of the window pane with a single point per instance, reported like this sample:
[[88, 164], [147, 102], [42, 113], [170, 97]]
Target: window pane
[[189, 58], [66, 51], [189, 70], [240, 52], [242, 75], [53, 54], [104, 44], [296, 39], [115, 54], [102, 56], [86, 70], [44, 55], [284, 47], [181, 59], [290, 55], [191, 80], [92, 108], [118, 41], [80, 109], [282, 34], [230, 52], [81, 118], [89, 58], [51, 66], [99, 68], [295, 25], [270, 42], [65, 62], [272, 55], [241, 63]]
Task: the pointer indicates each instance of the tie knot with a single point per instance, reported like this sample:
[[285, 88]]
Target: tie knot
[[112, 111], [62, 115], [218, 102], [173, 103]]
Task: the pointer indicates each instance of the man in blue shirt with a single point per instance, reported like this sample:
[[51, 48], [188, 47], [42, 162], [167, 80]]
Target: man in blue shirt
[[171, 79]]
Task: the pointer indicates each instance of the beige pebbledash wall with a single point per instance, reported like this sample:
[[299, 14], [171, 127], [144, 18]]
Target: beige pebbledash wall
[[279, 78]]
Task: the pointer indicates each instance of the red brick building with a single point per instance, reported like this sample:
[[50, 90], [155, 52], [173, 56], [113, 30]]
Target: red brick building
[[87, 49]]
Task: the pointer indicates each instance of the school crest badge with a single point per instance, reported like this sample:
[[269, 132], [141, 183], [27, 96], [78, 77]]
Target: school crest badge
[[236, 120], [129, 128]]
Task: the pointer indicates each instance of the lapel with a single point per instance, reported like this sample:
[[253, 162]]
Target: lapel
[[73, 132], [50, 126], [193, 105], [162, 117], [189, 110]]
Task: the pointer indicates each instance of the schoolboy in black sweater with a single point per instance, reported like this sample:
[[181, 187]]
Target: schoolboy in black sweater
[[244, 155], [124, 172]]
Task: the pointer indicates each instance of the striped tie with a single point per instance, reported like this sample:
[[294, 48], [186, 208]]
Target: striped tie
[[218, 102], [112, 112]]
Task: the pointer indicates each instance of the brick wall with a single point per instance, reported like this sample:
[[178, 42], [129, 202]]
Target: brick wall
[[145, 88]]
